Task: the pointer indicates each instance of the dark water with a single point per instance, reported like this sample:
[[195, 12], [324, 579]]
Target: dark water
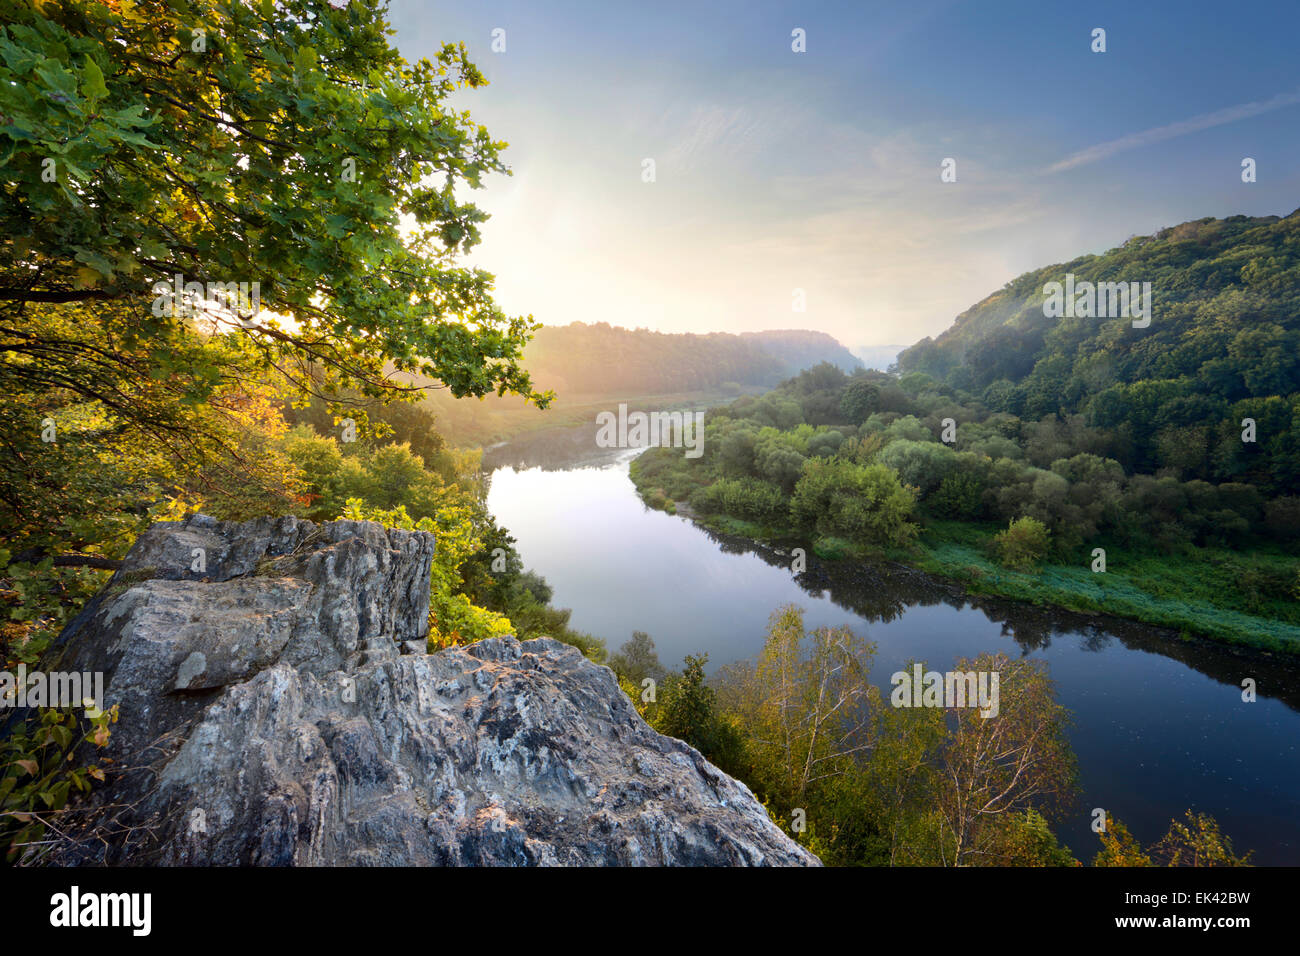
[[1159, 724]]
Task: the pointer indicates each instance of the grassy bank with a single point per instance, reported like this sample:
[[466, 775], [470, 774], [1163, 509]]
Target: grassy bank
[[1235, 598]]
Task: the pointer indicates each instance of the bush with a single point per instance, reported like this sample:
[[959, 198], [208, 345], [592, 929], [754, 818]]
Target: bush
[[959, 496], [746, 498], [1024, 544], [864, 503], [39, 767], [923, 464]]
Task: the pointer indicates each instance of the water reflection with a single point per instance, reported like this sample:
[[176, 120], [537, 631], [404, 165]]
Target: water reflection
[[884, 592]]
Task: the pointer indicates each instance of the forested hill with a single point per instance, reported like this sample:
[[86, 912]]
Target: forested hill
[[801, 349], [601, 358], [1224, 330]]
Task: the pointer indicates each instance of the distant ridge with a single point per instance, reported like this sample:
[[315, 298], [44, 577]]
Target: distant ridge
[[593, 367], [801, 349], [603, 358]]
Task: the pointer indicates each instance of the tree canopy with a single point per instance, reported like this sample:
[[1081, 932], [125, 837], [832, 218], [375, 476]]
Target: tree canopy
[[285, 144]]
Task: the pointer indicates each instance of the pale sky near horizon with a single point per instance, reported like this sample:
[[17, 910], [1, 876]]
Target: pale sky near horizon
[[778, 170]]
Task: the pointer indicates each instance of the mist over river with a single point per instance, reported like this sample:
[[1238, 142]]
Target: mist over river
[[1159, 724]]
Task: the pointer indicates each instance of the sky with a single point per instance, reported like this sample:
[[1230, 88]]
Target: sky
[[820, 171]]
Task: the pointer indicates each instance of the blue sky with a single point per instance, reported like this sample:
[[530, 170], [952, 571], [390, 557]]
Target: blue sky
[[820, 171]]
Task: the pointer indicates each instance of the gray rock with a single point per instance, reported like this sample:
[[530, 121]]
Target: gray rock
[[278, 708]]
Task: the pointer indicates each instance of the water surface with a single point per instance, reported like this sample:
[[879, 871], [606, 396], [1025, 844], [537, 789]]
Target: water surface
[[1159, 724]]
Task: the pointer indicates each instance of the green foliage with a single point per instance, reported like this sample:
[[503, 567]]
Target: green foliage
[[41, 769], [859, 400], [687, 709], [922, 464], [959, 496], [890, 785], [286, 146], [845, 828], [1023, 544], [97, 447], [865, 503], [898, 786], [805, 706], [1197, 840], [1119, 847], [637, 660], [1026, 840], [748, 498], [1224, 345], [389, 424], [900, 779]]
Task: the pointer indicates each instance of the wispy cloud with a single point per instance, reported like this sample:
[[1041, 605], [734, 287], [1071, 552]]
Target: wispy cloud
[[712, 132], [1160, 133]]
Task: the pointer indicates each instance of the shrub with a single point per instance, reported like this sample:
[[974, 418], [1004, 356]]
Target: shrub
[[959, 495], [1024, 544], [746, 498], [864, 503], [39, 767]]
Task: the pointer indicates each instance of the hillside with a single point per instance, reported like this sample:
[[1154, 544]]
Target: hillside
[[590, 366], [580, 358], [800, 349], [583, 358], [1223, 344]]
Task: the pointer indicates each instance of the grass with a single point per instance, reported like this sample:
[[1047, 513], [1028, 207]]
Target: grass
[[1197, 591]]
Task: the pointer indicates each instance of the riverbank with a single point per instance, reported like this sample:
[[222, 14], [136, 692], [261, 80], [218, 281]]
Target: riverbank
[[1213, 593]]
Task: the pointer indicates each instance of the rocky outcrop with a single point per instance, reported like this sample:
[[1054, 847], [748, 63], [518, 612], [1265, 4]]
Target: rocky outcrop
[[277, 707]]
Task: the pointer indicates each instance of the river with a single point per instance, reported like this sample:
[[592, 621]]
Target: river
[[1159, 725]]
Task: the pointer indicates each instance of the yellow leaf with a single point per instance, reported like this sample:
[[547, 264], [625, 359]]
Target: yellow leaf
[[87, 277]]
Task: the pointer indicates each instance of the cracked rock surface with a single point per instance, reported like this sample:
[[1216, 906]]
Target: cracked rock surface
[[277, 708]]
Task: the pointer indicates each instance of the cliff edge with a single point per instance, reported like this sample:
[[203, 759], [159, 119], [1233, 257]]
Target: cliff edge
[[277, 707]]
